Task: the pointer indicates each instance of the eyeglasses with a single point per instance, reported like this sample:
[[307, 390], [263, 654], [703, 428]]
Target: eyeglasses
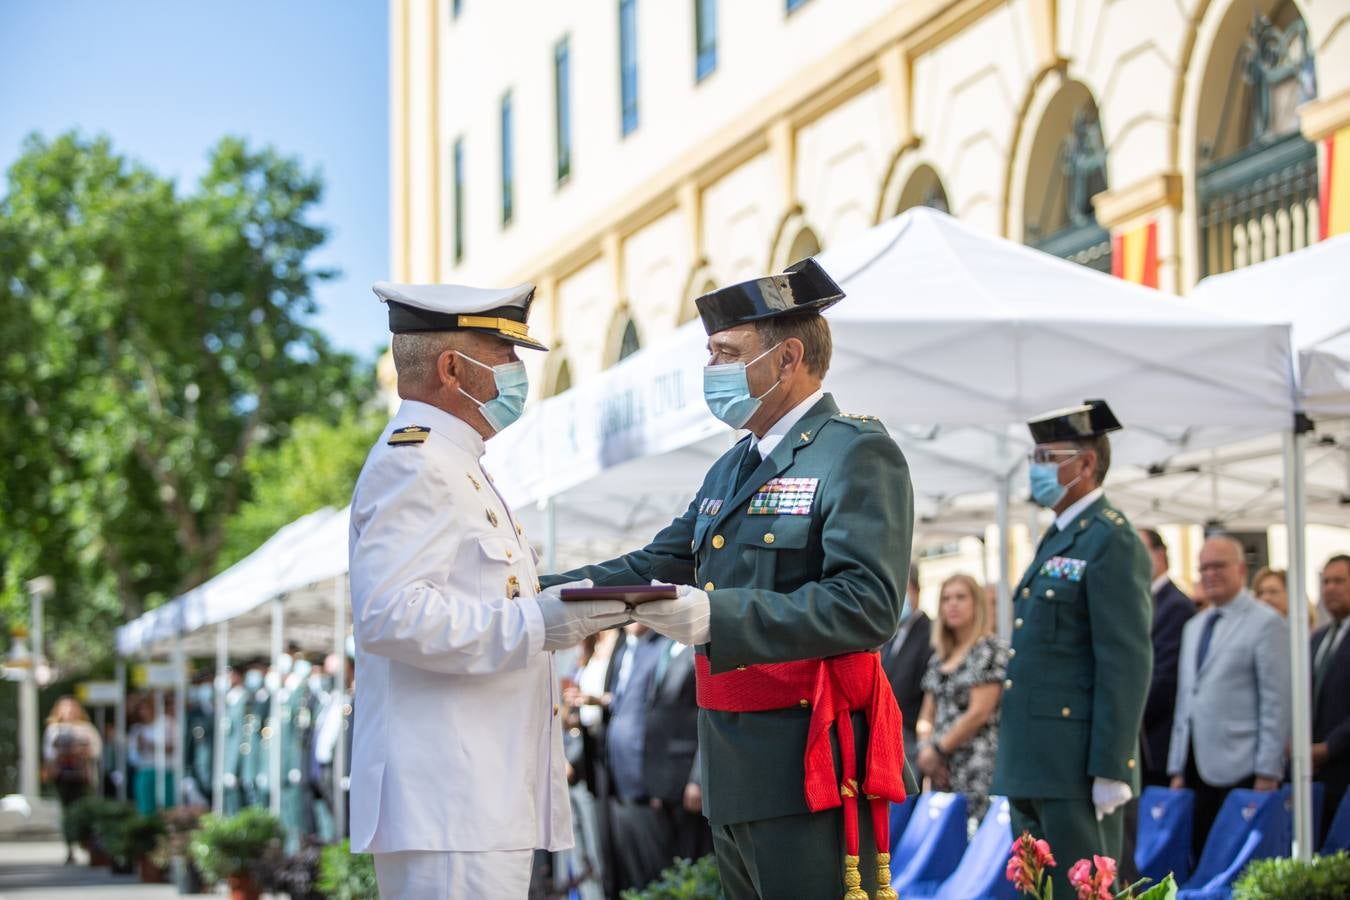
[[1049, 455]]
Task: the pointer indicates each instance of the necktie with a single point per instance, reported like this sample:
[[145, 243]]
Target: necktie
[[1049, 533], [749, 462], [1324, 654], [1205, 636]]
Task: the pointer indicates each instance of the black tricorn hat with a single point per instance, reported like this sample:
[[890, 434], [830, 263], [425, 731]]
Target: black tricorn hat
[[803, 287], [1076, 423]]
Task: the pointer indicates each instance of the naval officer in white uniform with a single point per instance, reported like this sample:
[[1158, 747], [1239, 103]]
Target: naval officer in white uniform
[[457, 770]]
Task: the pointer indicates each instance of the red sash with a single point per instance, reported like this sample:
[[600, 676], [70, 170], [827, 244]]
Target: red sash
[[833, 689]]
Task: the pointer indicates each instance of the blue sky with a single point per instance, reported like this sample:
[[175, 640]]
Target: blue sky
[[164, 79]]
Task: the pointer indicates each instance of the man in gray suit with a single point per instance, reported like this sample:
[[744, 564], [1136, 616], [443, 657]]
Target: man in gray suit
[[1232, 715]]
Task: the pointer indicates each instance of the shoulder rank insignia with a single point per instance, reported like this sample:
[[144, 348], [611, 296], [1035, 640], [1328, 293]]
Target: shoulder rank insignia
[[409, 434], [1112, 516], [1064, 567], [859, 416], [784, 497]]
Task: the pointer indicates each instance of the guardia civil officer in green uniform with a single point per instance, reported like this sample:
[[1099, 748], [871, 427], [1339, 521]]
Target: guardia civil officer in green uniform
[[1081, 653], [794, 551]]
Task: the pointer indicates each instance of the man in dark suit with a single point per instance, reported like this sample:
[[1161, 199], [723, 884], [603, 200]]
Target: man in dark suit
[[651, 743], [905, 659], [1171, 610], [1331, 688]]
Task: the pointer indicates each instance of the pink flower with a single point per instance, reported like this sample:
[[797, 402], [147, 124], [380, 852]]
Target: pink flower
[[1043, 856], [1080, 876], [1106, 876], [1017, 874]]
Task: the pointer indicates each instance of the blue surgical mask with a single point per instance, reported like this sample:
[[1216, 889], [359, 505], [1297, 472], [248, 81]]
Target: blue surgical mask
[[1045, 487], [513, 383], [206, 695], [253, 679], [302, 668], [726, 389]]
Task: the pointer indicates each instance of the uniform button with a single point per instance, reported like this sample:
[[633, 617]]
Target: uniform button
[[740, 668], [1012, 651], [555, 709], [1050, 592], [1017, 623], [520, 530], [804, 703], [1026, 592], [1007, 685], [768, 538], [1129, 764], [1066, 712], [708, 586], [718, 542], [692, 545]]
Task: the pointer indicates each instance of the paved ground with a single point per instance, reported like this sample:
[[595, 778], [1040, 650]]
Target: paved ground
[[37, 869]]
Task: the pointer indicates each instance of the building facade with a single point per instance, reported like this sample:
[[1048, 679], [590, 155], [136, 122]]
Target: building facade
[[630, 155]]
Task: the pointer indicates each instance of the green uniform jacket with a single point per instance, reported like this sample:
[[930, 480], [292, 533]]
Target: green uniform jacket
[[1081, 662], [821, 583]]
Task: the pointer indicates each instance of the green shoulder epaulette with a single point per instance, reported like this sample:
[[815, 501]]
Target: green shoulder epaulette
[[859, 421], [1113, 516], [409, 434]]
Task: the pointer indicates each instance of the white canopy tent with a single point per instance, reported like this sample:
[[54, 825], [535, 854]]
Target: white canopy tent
[[951, 336], [1310, 288]]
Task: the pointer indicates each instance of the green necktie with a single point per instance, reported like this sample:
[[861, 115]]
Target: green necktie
[[749, 463]]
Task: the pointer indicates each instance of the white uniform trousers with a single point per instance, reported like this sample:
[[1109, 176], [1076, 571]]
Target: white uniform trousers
[[432, 875]]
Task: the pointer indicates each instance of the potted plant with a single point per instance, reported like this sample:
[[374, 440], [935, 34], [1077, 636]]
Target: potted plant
[[684, 880], [131, 842], [232, 849], [171, 851], [1276, 879], [296, 874], [344, 875], [92, 820], [1030, 862]]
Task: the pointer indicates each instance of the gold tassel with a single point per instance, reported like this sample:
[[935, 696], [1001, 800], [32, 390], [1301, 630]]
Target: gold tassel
[[884, 889], [853, 879]]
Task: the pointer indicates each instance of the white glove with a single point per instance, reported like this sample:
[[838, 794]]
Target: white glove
[[1109, 795], [684, 619], [566, 622]]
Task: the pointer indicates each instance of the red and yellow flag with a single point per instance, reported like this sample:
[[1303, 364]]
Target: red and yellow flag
[[1134, 255], [1335, 199]]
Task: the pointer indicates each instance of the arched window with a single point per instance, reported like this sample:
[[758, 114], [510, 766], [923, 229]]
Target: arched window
[[689, 311], [1256, 175], [560, 379], [1067, 169], [924, 188], [803, 245], [629, 343]]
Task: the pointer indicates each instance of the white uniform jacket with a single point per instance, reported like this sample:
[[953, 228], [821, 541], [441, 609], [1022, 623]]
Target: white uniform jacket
[[458, 744]]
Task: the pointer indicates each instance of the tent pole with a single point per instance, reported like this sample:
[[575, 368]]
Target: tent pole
[[340, 689], [1301, 735], [120, 730], [179, 719], [273, 714], [1004, 528], [218, 710], [161, 762]]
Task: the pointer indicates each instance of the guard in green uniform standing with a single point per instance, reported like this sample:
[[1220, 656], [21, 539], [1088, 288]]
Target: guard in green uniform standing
[[792, 561], [199, 740], [232, 723], [1081, 654]]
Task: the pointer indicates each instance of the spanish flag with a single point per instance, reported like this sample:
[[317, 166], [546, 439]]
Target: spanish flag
[[1134, 255], [1335, 199]]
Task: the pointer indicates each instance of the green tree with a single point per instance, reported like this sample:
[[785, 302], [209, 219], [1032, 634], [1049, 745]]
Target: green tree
[[152, 343], [316, 466]]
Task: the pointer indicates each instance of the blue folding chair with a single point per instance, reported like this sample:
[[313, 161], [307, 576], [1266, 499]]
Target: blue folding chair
[[1248, 827], [931, 845], [982, 873], [1284, 845], [900, 815], [1338, 835], [1162, 843]]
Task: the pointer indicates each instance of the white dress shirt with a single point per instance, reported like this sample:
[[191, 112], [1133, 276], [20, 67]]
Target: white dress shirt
[[1064, 519], [457, 746], [780, 429]]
